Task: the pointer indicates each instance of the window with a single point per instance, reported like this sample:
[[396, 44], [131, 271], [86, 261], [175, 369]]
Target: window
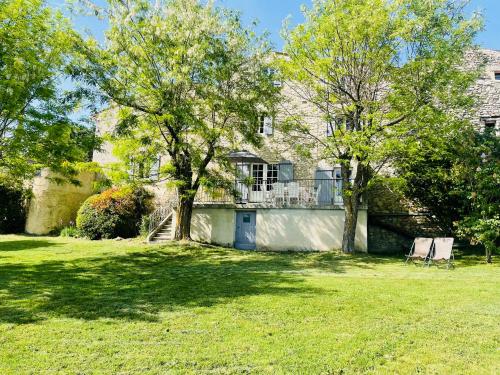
[[261, 124], [272, 176], [258, 176], [265, 124], [497, 76], [489, 126], [335, 124], [330, 128]]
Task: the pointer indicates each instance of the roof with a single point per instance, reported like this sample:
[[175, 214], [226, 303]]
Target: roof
[[245, 156]]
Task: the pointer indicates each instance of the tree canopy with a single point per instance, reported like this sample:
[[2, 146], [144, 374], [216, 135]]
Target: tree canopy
[[382, 75], [186, 75], [36, 127]]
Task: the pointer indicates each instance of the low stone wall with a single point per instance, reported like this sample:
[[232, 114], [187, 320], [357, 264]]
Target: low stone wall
[[55, 205], [394, 233], [394, 221]]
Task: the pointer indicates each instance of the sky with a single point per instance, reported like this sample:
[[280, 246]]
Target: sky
[[271, 13]]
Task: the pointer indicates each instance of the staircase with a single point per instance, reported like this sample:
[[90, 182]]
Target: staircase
[[164, 232], [160, 225]]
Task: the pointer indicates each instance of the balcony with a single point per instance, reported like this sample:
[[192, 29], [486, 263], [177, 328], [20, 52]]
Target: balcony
[[276, 194]]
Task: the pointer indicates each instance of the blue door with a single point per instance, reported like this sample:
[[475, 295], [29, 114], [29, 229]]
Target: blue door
[[245, 230]]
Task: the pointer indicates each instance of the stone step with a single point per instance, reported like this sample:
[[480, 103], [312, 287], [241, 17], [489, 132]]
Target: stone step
[[165, 229], [166, 238]]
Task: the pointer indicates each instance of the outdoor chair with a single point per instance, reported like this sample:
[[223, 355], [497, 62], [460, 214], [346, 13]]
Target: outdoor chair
[[293, 192], [318, 192], [442, 250], [279, 192], [420, 249]]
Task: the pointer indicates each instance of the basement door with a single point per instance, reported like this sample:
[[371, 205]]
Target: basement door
[[245, 230]]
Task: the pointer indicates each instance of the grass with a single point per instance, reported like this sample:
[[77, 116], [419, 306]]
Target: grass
[[75, 306]]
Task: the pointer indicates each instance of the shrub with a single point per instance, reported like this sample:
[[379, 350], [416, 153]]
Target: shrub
[[115, 212], [69, 231], [12, 209]]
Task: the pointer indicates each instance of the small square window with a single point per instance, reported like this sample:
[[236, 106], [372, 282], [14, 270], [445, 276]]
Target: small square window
[[246, 218], [489, 126], [497, 76]]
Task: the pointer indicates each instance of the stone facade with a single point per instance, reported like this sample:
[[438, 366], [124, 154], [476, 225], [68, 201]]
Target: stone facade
[[392, 221], [487, 88]]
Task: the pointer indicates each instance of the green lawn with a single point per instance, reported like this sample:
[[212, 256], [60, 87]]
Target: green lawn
[[74, 306]]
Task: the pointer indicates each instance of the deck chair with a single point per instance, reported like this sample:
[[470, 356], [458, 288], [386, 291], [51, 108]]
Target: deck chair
[[442, 250], [420, 249]]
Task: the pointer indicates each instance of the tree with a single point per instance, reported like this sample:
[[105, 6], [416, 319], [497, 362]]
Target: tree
[[457, 181], [189, 75], [481, 223], [382, 74], [35, 125]]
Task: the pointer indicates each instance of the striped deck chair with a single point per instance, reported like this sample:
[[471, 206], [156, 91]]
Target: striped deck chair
[[442, 250], [420, 249]]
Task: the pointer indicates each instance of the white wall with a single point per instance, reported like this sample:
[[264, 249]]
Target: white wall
[[213, 225], [306, 229], [280, 229]]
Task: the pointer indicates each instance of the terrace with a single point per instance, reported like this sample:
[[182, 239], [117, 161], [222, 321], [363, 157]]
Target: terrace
[[277, 194]]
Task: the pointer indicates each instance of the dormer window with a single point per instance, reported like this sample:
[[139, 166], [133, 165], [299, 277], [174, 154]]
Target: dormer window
[[497, 76], [265, 124]]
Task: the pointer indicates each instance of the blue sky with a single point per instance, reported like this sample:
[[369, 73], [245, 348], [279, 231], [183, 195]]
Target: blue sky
[[271, 13]]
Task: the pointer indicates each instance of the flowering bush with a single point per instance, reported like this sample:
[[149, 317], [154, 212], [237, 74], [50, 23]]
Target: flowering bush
[[115, 212]]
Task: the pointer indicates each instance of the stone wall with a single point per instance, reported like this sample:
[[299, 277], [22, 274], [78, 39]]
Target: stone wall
[[54, 205], [486, 89], [394, 221]]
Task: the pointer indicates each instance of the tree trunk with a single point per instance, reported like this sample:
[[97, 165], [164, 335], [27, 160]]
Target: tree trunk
[[352, 184], [488, 249], [184, 212], [351, 219]]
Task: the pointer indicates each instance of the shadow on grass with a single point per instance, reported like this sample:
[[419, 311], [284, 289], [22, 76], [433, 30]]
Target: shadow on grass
[[139, 286], [17, 245]]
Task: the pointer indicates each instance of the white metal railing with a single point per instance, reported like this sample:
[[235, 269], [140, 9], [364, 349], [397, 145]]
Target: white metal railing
[[297, 192], [160, 214]]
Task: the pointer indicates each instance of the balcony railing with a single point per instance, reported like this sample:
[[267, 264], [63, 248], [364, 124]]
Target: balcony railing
[[272, 193]]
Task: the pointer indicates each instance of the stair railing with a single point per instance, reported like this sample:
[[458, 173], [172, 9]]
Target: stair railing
[[159, 215]]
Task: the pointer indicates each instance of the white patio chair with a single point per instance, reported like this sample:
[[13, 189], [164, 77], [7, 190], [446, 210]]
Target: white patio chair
[[293, 192], [318, 192], [442, 250], [279, 192]]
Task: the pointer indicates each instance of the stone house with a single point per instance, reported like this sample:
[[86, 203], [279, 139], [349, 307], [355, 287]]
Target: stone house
[[287, 202]]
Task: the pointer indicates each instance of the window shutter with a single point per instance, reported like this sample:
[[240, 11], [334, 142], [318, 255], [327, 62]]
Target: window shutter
[[329, 128], [324, 182], [285, 172], [268, 125]]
